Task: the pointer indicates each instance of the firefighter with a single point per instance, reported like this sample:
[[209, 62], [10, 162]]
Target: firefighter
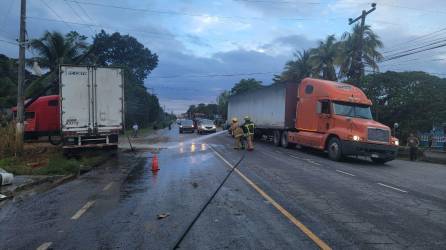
[[233, 126], [248, 130], [413, 143], [236, 132]]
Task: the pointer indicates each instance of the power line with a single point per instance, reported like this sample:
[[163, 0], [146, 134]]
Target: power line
[[86, 14], [111, 27], [168, 12], [412, 8], [418, 38], [5, 18], [414, 52], [212, 75], [77, 14], [6, 41], [413, 49], [57, 15], [416, 44]]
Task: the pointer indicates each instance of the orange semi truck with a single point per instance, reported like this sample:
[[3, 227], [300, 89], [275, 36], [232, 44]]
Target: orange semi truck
[[326, 115]]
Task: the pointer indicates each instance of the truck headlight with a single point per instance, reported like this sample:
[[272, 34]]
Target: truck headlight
[[396, 142], [356, 138]]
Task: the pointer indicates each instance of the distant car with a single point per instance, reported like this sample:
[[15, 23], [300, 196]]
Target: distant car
[[186, 126], [206, 126]]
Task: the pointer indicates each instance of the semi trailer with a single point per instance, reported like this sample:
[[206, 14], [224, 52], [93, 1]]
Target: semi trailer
[[325, 115], [91, 105]]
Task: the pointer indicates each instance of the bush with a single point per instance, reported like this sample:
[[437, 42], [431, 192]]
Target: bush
[[7, 142]]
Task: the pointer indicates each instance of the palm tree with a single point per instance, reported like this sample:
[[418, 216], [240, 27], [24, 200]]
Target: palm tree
[[301, 67], [54, 49], [349, 51], [324, 58]]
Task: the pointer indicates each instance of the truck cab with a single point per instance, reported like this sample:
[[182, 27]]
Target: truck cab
[[42, 117], [336, 117]]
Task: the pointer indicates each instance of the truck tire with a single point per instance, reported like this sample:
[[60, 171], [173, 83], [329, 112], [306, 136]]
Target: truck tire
[[277, 138], [55, 139], [334, 149], [285, 142]]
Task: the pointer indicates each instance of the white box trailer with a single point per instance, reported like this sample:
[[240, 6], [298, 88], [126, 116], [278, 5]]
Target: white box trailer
[[91, 105], [270, 108]]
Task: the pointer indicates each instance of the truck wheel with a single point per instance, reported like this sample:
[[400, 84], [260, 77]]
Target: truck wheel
[[285, 142], [55, 139], [334, 149], [276, 138]]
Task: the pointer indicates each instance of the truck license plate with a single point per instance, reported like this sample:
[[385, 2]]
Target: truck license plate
[[375, 155]]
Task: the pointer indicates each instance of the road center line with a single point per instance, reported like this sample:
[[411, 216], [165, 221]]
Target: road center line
[[44, 246], [394, 188], [295, 157], [313, 162], [108, 186], [282, 210], [81, 211], [337, 170]]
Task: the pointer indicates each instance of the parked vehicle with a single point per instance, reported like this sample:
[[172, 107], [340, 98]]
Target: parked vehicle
[[206, 126], [321, 114], [42, 118], [186, 126], [92, 105]]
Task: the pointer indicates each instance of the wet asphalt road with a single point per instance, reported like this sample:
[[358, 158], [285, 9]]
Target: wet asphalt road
[[348, 205]]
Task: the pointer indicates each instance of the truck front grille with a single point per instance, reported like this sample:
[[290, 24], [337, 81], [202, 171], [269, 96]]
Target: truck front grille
[[377, 134]]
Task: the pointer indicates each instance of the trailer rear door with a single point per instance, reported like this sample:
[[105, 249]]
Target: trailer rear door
[[75, 98], [108, 98]]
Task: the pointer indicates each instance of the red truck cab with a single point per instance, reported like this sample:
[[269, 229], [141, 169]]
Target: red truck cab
[[336, 117], [42, 117]]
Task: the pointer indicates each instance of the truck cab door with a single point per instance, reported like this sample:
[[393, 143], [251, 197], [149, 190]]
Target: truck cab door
[[324, 113]]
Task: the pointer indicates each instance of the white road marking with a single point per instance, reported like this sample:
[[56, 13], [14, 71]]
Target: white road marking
[[108, 186], [44, 246], [295, 157], [313, 162], [340, 171], [81, 211], [321, 244], [394, 188]]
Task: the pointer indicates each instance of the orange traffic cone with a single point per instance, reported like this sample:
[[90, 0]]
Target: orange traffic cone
[[155, 166]]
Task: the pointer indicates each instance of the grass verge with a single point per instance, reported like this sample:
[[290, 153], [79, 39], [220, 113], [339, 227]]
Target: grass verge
[[52, 163]]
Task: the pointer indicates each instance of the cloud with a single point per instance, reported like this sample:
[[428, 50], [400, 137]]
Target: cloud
[[286, 45]]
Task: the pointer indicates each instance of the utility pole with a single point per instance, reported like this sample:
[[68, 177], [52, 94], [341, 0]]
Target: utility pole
[[21, 80], [358, 66]]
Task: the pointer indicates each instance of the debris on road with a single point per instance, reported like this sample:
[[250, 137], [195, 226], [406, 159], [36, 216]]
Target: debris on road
[[163, 216], [5, 177]]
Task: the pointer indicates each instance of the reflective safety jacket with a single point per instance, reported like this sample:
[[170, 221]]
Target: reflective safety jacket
[[248, 128]]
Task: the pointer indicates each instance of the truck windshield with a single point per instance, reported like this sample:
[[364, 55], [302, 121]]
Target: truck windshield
[[352, 110]]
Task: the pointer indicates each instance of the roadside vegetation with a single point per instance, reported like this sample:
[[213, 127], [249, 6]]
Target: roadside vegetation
[[50, 160], [54, 49]]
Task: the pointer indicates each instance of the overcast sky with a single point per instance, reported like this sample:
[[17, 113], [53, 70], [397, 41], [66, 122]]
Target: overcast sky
[[205, 46]]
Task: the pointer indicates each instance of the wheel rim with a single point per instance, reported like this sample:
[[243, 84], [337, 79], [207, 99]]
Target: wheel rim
[[334, 149], [284, 139]]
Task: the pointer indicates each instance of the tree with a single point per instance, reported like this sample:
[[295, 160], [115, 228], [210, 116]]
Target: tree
[[299, 68], [324, 58], [415, 100], [349, 50], [54, 49], [125, 51], [245, 85], [222, 102]]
